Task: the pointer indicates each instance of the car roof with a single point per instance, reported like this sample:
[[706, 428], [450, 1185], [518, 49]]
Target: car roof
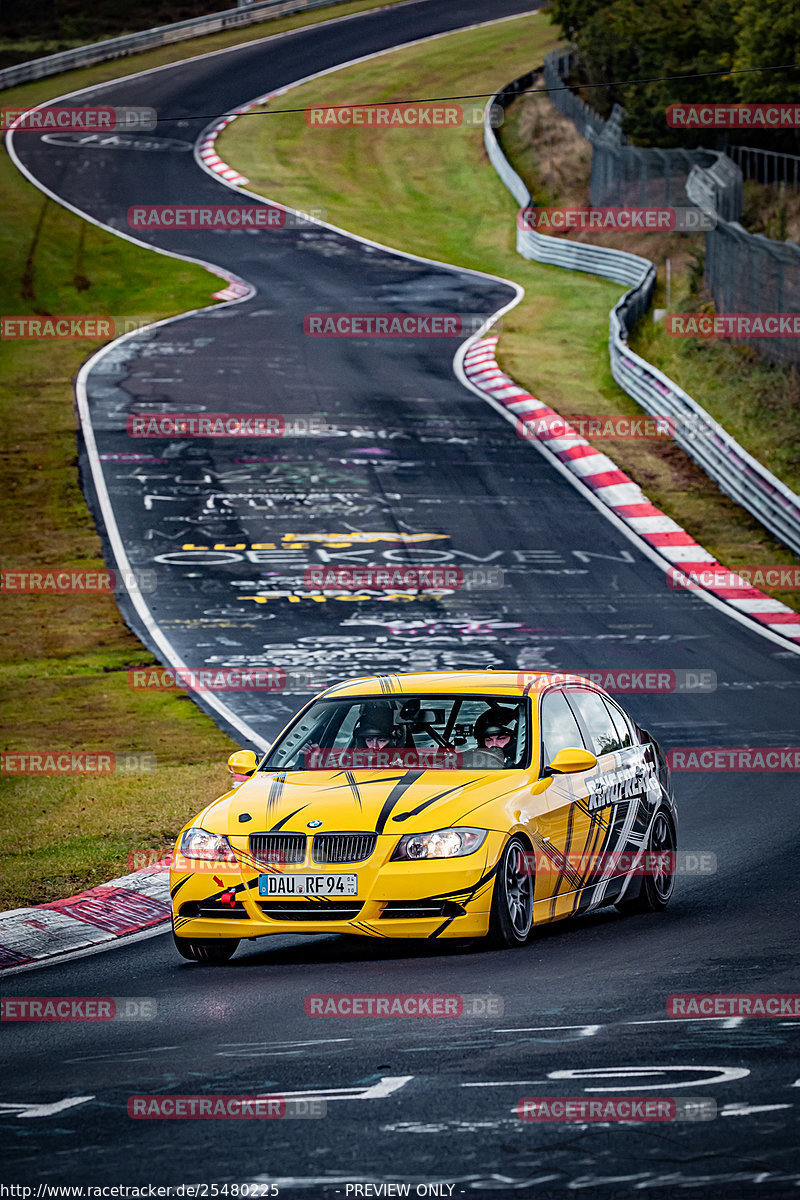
[[457, 683]]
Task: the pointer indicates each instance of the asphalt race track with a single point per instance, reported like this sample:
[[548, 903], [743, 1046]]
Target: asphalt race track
[[417, 1102]]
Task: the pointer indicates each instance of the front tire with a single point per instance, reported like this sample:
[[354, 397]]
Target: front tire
[[657, 886], [207, 951], [511, 917]]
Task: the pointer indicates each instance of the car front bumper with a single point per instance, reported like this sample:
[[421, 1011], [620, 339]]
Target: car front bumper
[[447, 898]]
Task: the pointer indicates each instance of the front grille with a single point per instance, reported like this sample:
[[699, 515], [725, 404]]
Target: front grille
[[277, 849], [343, 847], [311, 910], [411, 910]]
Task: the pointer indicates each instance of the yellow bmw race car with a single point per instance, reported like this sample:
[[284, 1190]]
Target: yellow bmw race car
[[459, 804]]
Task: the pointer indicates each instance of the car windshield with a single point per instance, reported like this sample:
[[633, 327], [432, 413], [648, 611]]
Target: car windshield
[[427, 732]]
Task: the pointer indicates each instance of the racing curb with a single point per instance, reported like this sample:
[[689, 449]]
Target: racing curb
[[97, 917], [237, 289], [623, 496], [208, 151]]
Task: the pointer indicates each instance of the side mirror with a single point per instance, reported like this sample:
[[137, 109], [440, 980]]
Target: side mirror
[[242, 765], [568, 761]]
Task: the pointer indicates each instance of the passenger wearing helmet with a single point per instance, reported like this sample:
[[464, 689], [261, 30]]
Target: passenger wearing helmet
[[495, 740]]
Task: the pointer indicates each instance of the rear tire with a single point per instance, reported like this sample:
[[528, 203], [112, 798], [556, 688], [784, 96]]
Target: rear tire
[[511, 917], [208, 951], [655, 889]]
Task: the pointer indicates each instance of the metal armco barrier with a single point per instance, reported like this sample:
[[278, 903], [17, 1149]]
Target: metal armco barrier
[[737, 473], [163, 35]]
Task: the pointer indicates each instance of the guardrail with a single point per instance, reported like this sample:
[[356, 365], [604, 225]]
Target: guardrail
[[162, 35], [738, 474], [768, 167]]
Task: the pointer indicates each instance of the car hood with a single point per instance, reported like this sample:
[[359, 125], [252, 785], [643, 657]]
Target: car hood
[[402, 801]]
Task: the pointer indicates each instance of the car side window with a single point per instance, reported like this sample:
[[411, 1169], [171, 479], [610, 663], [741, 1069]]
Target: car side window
[[597, 720], [620, 724], [559, 728]]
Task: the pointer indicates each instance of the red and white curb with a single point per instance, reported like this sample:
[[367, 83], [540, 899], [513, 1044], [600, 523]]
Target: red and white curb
[[207, 150], [237, 289], [132, 904], [623, 496], [206, 154]]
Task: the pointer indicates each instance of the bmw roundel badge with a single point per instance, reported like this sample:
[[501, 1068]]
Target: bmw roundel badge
[[313, 824]]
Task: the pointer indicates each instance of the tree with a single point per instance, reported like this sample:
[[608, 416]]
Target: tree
[[629, 39], [768, 34]]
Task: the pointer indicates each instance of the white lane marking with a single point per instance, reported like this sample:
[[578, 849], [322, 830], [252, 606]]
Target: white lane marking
[[376, 1091], [585, 1030], [588, 1074], [42, 1110], [727, 1023], [122, 1055], [508, 1083], [743, 1109], [274, 1045], [677, 1020]]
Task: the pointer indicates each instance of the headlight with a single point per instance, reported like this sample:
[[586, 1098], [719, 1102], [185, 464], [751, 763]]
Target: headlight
[[197, 843], [444, 843]]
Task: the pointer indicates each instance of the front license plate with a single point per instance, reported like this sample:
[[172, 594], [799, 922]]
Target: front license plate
[[308, 885]]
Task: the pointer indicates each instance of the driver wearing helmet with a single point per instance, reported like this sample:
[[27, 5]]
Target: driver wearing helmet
[[495, 749], [374, 730], [375, 740]]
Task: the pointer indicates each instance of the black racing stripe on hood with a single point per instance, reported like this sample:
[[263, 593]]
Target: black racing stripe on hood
[[394, 796], [364, 782], [414, 812], [288, 817], [275, 790], [351, 779]]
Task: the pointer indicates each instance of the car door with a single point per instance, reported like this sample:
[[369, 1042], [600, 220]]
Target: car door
[[617, 792], [568, 830]]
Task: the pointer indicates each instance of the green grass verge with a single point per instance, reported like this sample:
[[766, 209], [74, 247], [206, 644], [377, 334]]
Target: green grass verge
[[63, 659], [437, 195], [756, 401]]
